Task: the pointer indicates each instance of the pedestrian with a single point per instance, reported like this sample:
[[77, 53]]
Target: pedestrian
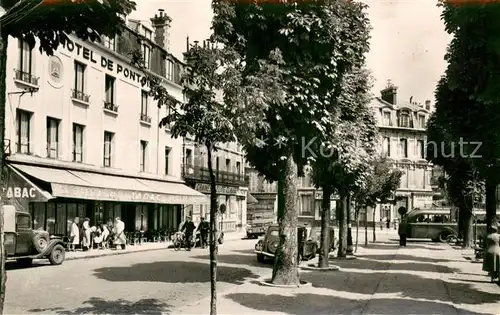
[[388, 223], [203, 228], [402, 231], [74, 235], [188, 229], [105, 236], [119, 231], [87, 232], [491, 260]]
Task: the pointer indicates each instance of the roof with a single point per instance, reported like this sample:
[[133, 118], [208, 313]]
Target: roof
[[378, 102]]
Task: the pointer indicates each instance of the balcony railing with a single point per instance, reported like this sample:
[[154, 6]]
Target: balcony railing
[[79, 95], [26, 77], [201, 174], [145, 118], [110, 106]]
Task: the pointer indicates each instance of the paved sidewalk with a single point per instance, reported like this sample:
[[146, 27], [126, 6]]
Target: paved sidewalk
[[149, 246], [422, 278]]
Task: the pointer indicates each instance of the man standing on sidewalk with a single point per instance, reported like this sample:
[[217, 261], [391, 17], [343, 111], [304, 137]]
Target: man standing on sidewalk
[[402, 231]]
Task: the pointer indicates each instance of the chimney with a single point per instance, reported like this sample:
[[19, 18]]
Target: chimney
[[428, 105], [161, 24], [389, 93]]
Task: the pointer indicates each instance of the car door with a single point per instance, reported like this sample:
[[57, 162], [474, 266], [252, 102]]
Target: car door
[[24, 234]]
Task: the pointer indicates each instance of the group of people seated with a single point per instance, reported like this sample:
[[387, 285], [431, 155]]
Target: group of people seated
[[98, 236]]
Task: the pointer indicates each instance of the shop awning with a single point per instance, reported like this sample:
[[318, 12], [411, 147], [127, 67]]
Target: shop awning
[[94, 186], [18, 186], [251, 199]]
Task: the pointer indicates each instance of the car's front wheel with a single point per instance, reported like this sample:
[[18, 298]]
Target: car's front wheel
[[57, 255]]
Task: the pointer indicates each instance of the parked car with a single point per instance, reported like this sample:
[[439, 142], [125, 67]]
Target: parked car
[[24, 244], [308, 248]]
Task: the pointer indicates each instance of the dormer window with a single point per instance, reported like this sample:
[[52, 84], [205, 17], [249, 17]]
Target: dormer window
[[147, 33], [404, 119], [386, 118], [421, 121], [146, 54]]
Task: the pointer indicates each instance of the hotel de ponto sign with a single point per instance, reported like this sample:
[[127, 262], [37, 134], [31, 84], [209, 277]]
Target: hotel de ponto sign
[[91, 55]]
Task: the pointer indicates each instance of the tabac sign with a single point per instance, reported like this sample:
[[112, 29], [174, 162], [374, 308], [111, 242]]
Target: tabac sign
[[19, 187], [221, 190]]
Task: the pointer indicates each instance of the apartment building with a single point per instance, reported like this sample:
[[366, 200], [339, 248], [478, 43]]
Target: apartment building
[[402, 129], [232, 183], [82, 136]]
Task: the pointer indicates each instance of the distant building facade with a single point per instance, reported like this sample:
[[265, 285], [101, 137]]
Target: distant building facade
[[402, 130]]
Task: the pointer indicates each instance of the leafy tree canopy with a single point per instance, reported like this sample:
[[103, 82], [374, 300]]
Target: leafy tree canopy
[[50, 21], [472, 78], [318, 42]]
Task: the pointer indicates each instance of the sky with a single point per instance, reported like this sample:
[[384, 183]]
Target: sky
[[407, 46]]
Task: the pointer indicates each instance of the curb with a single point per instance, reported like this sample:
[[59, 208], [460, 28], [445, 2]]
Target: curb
[[122, 252]]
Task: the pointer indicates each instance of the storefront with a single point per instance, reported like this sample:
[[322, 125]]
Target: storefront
[[55, 196]]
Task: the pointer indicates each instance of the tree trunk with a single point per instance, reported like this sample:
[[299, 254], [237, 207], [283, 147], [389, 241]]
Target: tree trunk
[[374, 227], [466, 223], [349, 226], [3, 95], [213, 234], [357, 230], [285, 271], [491, 203], [325, 227], [342, 215], [366, 226]]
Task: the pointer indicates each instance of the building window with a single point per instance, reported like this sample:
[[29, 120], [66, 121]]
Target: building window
[[170, 70], [228, 165], [387, 146], [146, 54], [238, 167], [79, 77], [403, 148], [108, 144], [25, 60], [147, 33], [306, 205], [144, 147], [387, 119], [188, 158], [167, 160], [217, 163], [23, 121], [110, 89], [420, 149], [109, 42], [404, 120], [77, 143], [144, 104], [52, 137], [421, 121]]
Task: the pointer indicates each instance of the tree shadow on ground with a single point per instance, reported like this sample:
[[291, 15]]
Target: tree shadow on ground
[[174, 272], [408, 285], [366, 262], [405, 257], [301, 304], [100, 306], [388, 246], [238, 260]]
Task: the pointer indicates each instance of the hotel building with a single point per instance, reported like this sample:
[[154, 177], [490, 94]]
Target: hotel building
[[82, 136]]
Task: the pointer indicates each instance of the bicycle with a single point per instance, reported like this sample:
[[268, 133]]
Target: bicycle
[[180, 241]]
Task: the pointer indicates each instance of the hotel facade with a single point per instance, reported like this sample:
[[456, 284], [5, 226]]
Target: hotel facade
[[82, 136]]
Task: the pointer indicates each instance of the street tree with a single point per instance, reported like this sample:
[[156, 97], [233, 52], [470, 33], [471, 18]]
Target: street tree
[[216, 97], [472, 77], [318, 42], [49, 22], [345, 154], [380, 187], [447, 128]]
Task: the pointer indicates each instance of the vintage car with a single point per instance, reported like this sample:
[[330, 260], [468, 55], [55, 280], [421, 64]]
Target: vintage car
[[24, 244], [308, 248], [437, 224]]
